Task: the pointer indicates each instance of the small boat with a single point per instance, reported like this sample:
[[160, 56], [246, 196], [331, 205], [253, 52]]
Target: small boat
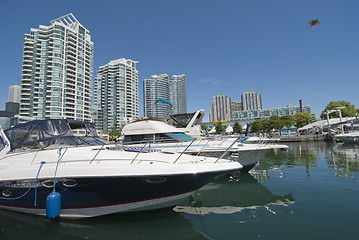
[[42, 157]]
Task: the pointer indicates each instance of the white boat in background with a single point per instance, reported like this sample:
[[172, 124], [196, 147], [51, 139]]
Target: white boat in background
[[92, 178], [160, 135], [262, 140]]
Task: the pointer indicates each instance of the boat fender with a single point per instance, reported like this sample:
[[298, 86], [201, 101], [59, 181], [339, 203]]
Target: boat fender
[[53, 205], [53, 200]]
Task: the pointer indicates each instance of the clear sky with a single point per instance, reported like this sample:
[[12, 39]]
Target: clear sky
[[223, 47]]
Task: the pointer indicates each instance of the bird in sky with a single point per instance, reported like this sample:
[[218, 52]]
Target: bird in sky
[[313, 22]]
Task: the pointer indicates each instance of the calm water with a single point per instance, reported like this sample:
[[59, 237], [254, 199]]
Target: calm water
[[310, 191]]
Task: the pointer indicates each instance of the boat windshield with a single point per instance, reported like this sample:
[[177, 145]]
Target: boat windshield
[[182, 120], [86, 129], [39, 134]]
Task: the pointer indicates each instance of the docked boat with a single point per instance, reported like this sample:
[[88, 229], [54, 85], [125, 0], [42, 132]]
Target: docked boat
[[160, 135], [43, 157]]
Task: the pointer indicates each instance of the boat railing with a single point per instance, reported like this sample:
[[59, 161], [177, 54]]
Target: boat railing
[[97, 153], [225, 152], [184, 151], [132, 150], [138, 153], [204, 145]]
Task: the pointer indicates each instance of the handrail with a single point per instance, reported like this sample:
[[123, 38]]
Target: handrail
[[138, 153], [204, 145], [184, 150], [222, 142], [97, 153], [225, 152], [179, 145]]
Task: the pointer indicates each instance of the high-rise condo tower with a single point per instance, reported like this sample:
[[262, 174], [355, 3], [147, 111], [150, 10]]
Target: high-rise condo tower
[[116, 94], [57, 71]]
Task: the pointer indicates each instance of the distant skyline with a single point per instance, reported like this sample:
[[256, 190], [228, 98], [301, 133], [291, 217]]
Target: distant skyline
[[223, 47]]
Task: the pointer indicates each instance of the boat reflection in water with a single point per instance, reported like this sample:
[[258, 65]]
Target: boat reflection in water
[[344, 158], [225, 201], [156, 225], [229, 196]]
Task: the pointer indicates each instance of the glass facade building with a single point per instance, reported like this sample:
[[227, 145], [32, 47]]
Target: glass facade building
[[116, 94], [171, 89], [156, 87], [57, 71], [177, 88]]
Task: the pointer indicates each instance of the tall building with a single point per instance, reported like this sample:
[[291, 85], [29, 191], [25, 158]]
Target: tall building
[[177, 91], [236, 106], [156, 87], [116, 94], [11, 108], [14, 94], [57, 71], [251, 101], [221, 108]]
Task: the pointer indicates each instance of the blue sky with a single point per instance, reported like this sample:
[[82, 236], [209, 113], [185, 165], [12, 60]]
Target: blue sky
[[223, 47]]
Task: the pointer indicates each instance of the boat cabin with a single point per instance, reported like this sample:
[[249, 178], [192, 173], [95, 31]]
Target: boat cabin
[[154, 132]]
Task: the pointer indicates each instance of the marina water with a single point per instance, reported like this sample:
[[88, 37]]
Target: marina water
[[310, 191]]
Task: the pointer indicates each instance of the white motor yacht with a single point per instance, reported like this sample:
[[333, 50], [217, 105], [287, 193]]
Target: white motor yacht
[[40, 157], [160, 135]]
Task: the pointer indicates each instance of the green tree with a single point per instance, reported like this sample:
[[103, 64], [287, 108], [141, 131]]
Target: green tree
[[274, 122], [348, 111], [237, 128], [287, 121], [302, 119], [219, 128], [114, 132], [267, 125], [256, 126], [204, 127]]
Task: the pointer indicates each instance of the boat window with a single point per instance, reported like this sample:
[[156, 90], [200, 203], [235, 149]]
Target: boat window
[[91, 129], [56, 127], [153, 138], [23, 133], [181, 120], [183, 137]]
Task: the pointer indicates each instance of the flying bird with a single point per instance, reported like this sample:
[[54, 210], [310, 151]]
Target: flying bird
[[313, 22]]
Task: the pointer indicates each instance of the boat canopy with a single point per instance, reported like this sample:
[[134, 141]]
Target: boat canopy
[[43, 133]]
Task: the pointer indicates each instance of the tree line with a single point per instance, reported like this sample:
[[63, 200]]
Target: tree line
[[275, 123]]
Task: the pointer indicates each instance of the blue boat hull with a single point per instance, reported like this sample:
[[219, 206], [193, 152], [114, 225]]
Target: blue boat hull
[[89, 197]]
